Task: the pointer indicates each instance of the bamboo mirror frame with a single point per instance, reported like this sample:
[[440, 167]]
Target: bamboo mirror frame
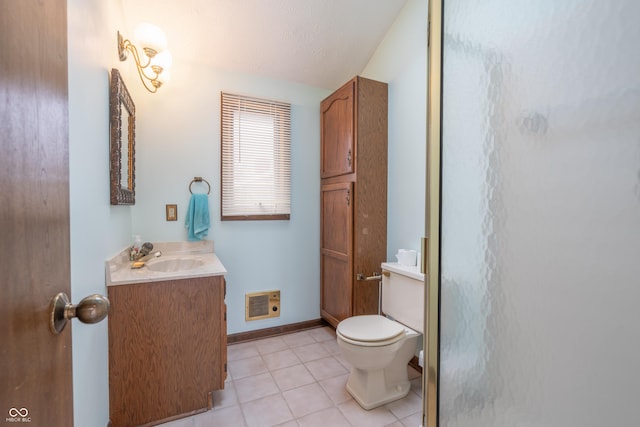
[[122, 116]]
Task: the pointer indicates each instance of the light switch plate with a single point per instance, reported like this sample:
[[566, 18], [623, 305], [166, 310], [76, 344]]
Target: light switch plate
[[172, 212]]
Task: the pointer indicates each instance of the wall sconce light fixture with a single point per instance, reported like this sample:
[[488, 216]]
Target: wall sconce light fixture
[[157, 59]]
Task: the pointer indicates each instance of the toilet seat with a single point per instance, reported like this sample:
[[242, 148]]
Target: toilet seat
[[370, 330]]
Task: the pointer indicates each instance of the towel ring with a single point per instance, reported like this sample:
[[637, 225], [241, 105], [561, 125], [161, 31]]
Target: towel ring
[[199, 179]]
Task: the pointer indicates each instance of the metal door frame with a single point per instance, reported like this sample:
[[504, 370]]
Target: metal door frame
[[431, 248]]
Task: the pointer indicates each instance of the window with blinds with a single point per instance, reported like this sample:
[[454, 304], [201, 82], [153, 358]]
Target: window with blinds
[[256, 158]]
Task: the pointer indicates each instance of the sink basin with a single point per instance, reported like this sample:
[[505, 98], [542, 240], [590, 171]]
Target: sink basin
[[170, 265]]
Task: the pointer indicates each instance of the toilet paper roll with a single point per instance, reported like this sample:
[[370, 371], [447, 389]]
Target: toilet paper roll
[[406, 257]]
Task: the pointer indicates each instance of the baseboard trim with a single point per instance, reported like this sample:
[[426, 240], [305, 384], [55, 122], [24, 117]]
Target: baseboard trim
[[414, 364], [275, 331]]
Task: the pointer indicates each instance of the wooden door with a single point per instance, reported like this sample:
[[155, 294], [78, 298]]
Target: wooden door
[[35, 365], [337, 132], [336, 263]]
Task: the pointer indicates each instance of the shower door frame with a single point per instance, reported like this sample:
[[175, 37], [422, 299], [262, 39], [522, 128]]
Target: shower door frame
[[433, 208]]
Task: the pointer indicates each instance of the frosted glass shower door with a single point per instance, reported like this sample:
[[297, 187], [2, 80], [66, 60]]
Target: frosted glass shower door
[[540, 214]]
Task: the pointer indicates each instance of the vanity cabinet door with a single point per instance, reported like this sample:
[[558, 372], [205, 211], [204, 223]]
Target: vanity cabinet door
[[223, 334], [337, 132], [167, 349]]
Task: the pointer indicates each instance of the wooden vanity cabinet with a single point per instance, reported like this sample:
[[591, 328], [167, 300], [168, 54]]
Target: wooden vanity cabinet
[[167, 349], [353, 197]]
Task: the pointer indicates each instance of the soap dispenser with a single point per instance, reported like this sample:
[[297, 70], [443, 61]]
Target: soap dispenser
[[135, 248]]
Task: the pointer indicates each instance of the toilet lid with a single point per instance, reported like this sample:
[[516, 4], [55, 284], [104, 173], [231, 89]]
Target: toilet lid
[[370, 328]]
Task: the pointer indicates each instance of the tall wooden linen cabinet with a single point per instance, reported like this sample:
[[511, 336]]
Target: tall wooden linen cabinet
[[353, 171]]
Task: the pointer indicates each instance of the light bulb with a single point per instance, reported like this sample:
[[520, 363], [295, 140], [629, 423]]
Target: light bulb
[[163, 59], [149, 36], [164, 77]]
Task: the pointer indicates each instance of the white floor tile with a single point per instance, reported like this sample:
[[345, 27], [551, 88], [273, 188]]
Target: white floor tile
[[414, 420], [280, 359], [246, 367], [298, 339], [231, 416], [307, 399], [271, 345], [331, 346], [298, 380], [358, 417], [409, 405], [242, 351], [256, 387], [292, 377], [328, 417], [322, 334], [336, 388], [310, 352], [266, 412], [225, 397], [328, 367]]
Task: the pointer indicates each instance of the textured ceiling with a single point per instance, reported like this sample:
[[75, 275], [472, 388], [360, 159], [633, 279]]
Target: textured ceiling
[[320, 43]]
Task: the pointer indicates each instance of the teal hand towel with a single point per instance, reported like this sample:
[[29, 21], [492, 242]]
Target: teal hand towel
[[197, 220]]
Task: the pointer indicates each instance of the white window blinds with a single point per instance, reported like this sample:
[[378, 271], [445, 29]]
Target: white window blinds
[[256, 158]]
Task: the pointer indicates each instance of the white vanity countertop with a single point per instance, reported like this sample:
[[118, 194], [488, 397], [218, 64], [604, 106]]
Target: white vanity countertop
[[119, 271], [410, 271]]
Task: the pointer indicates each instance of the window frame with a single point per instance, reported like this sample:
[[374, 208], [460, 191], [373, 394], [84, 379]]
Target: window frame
[[232, 104]]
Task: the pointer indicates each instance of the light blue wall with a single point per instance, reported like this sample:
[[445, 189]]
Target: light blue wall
[[98, 230], [178, 137], [401, 61]]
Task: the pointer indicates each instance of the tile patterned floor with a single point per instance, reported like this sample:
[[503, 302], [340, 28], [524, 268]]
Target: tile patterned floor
[[297, 380]]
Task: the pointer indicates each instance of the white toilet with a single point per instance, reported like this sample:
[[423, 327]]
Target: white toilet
[[378, 347]]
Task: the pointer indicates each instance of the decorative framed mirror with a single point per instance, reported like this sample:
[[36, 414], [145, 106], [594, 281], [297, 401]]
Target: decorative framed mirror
[[122, 129]]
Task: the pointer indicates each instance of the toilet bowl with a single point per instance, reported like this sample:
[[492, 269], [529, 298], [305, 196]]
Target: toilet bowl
[[379, 350], [379, 347]]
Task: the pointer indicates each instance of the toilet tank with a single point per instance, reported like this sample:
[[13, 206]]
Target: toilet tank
[[403, 294]]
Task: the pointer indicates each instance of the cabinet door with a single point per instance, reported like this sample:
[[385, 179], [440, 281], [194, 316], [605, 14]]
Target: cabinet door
[[167, 349], [338, 132], [336, 251], [223, 335]]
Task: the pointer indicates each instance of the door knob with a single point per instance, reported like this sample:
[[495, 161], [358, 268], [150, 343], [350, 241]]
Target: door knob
[[91, 309]]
